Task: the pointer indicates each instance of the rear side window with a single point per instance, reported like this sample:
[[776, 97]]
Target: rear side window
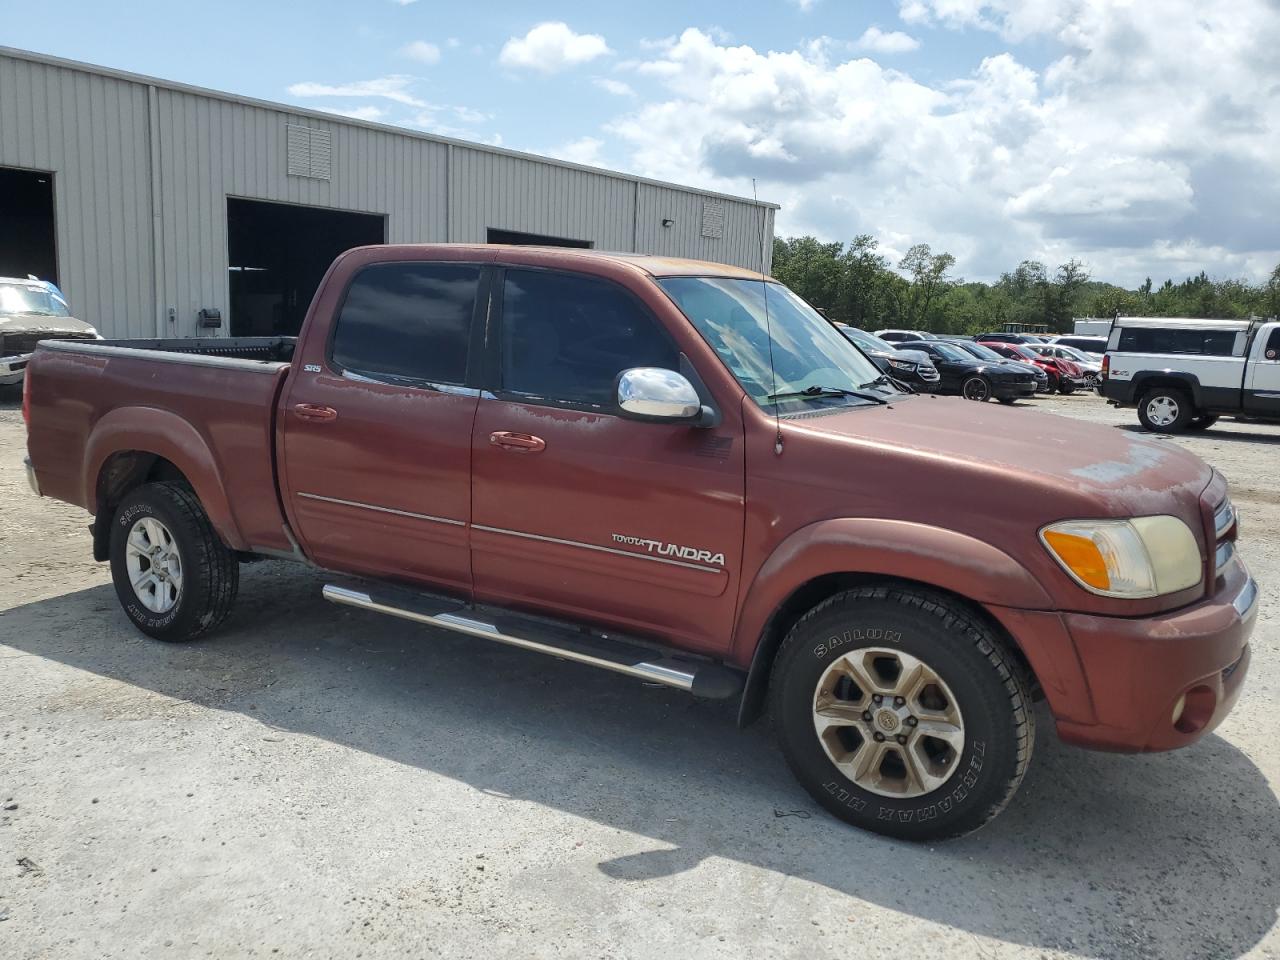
[[1272, 352], [566, 337], [1209, 343], [408, 321]]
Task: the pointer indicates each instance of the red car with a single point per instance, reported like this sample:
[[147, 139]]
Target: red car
[[1064, 375]]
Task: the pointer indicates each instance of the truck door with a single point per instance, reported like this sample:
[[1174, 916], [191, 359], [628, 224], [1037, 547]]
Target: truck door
[[375, 449], [1262, 382], [579, 512]]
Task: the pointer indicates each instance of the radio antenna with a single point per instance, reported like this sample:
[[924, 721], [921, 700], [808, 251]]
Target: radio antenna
[[768, 326]]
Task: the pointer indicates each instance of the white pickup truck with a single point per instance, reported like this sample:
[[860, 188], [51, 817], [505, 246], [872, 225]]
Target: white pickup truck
[[1183, 374]]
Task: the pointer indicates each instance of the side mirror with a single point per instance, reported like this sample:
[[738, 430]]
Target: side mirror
[[652, 393]]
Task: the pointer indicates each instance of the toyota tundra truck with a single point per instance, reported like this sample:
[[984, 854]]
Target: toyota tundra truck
[[681, 472]]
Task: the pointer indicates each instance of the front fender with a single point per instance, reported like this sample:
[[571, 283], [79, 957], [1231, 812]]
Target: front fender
[[167, 435], [892, 548]]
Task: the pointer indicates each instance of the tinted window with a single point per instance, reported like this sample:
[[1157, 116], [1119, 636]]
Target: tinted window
[[1212, 343], [1272, 351], [1087, 344], [567, 337], [408, 321]]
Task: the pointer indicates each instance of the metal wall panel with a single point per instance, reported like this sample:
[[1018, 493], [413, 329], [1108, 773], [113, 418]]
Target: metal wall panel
[[143, 169], [90, 131]]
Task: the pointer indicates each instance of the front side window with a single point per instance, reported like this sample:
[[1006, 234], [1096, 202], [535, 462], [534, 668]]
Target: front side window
[[566, 337], [806, 351], [408, 322]]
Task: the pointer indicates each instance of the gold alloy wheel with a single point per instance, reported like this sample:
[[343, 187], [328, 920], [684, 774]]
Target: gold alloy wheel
[[888, 722]]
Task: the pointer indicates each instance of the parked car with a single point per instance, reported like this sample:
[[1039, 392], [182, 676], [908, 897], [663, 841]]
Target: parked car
[[630, 463], [909, 366], [1091, 369], [1064, 376], [1002, 337], [1183, 374], [32, 310], [987, 355], [1092, 347], [899, 336], [974, 379]]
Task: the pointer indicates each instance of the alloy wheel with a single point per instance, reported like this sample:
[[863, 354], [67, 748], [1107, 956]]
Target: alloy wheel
[[1162, 410], [154, 564]]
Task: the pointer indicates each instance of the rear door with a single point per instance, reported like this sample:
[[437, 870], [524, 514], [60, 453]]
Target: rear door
[[579, 512], [1262, 389], [376, 424]]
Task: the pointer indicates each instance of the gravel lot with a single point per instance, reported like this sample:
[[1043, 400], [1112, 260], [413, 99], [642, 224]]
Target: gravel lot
[[327, 783]]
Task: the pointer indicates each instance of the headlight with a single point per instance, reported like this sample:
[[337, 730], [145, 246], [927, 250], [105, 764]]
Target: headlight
[[902, 364], [93, 332], [1142, 557]]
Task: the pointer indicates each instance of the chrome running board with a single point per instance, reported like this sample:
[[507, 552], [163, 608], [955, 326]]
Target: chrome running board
[[701, 678]]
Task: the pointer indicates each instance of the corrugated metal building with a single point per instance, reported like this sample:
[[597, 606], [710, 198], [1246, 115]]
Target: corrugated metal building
[[150, 201]]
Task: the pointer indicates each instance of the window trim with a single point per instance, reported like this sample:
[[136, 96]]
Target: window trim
[[492, 377], [475, 339]]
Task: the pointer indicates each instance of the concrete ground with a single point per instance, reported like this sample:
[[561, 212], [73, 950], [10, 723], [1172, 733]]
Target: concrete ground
[[328, 783]]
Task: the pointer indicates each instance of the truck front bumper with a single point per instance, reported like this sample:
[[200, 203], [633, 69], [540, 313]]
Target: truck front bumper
[[1162, 682], [13, 368]]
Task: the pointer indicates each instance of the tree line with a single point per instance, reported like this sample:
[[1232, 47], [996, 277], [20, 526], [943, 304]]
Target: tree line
[[856, 284]]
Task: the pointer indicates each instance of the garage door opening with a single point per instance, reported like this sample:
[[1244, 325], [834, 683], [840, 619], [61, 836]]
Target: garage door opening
[[533, 239], [278, 253], [26, 224]]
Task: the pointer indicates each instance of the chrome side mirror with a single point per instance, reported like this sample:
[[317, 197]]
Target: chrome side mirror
[[652, 393]]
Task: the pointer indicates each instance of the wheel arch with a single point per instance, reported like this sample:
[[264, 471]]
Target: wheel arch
[[136, 445], [829, 557], [1146, 380]]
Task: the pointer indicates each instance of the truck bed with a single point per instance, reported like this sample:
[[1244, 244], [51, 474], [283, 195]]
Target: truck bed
[[206, 406]]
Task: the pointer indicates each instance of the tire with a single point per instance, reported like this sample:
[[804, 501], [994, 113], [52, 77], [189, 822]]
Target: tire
[[978, 679], [1165, 410], [1007, 401], [977, 389], [1066, 387], [1203, 422], [179, 600]]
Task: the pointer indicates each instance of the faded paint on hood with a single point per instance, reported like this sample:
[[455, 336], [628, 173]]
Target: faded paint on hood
[[38, 323]]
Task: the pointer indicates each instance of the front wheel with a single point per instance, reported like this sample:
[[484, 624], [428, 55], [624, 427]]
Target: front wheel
[[901, 713], [173, 576], [976, 388]]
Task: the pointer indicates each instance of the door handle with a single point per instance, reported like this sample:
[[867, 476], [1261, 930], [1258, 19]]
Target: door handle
[[522, 442], [315, 411]]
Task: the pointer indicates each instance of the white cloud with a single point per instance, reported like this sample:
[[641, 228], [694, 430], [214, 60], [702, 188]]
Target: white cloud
[[421, 50], [367, 112], [805, 5], [616, 87], [585, 150], [551, 47], [1147, 144], [893, 41], [394, 88], [404, 3]]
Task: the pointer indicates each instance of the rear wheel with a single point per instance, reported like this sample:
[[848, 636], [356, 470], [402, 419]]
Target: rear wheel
[[173, 575], [976, 388], [1165, 410], [902, 714]]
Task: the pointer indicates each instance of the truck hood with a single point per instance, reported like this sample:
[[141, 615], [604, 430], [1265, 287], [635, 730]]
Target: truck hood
[[1056, 466], [38, 323]]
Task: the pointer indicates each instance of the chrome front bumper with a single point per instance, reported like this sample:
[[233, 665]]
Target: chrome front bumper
[[13, 368], [31, 476]]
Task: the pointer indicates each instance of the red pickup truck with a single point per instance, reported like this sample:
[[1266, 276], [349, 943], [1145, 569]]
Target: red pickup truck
[[681, 472]]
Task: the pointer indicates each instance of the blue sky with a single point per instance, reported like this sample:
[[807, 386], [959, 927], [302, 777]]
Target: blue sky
[[1137, 139]]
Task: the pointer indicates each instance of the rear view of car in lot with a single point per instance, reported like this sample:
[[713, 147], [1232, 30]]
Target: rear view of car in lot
[[1090, 370], [911, 367], [30, 311], [1065, 377]]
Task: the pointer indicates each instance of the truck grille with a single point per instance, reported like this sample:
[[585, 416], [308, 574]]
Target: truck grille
[[16, 344], [1225, 524]]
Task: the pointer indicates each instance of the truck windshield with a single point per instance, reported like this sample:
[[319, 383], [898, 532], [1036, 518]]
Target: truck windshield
[[807, 351], [22, 298]]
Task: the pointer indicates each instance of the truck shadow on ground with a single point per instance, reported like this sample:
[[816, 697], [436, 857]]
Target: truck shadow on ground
[[1098, 854], [1240, 433]]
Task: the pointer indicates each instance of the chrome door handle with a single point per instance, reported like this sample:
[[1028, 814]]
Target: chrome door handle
[[522, 442], [315, 411]]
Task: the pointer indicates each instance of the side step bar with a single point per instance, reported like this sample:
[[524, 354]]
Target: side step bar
[[701, 678]]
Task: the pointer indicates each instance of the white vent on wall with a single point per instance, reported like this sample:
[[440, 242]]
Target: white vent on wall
[[310, 152], [712, 219]]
